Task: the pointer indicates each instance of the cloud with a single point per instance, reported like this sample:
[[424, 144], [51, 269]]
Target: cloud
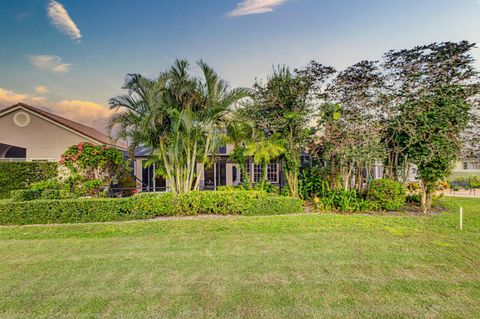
[[8, 98], [50, 63], [41, 89], [84, 112], [61, 19], [247, 7]]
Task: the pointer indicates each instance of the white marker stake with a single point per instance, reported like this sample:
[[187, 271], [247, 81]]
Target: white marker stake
[[461, 218]]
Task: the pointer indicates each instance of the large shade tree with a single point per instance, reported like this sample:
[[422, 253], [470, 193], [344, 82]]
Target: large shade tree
[[432, 90], [180, 118], [283, 110], [350, 126]]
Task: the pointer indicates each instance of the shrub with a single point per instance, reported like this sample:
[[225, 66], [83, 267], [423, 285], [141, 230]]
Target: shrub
[[442, 185], [343, 200], [92, 168], [414, 187], [475, 182], [25, 195], [266, 186], [310, 182], [387, 194], [46, 184], [145, 206], [51, 194], [19, 175], [414, 198]]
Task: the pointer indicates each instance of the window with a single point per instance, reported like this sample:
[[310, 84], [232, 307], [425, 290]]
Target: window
[[471, 165], [272, 173], [257, 173], [222, 150]]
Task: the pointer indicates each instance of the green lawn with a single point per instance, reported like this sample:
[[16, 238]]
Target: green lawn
[[246, 267]]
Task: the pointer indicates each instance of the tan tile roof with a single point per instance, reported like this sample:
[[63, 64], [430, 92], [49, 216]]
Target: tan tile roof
[[79, 128]]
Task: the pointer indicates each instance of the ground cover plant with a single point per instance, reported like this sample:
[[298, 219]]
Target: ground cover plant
[[300, 266]]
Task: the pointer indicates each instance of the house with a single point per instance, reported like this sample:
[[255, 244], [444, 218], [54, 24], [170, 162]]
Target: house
[[28, 133], [223, 172], [466, 168], [32, 134]]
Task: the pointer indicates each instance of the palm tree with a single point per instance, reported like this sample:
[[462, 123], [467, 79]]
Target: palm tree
[[263, 151], [239, 133], [180, 118]]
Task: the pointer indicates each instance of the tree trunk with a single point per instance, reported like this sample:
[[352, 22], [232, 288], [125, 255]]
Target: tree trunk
[[292, 180], [358, 177], [406, 170], [427, 196], [333, 175]]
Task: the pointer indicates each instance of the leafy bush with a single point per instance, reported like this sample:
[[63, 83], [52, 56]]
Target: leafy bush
[[19, 175], [146, 206], [92, 168], [414, 198], [343, 200], [310, 182], [387, 194], [45, 184], [266, 186], [414, 187], [25, 195], [441, 185], [51, 194], [475, 182]]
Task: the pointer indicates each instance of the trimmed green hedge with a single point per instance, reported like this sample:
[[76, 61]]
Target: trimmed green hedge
[[145, 206], [19, 175], [65, 211]]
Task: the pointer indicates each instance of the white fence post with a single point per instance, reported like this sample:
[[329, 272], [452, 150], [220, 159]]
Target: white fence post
[[461, 218]]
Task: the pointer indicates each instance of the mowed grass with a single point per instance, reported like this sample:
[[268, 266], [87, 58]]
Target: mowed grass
[[303, 266]]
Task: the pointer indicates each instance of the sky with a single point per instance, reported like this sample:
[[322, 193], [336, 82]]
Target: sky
[[71, 56]]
